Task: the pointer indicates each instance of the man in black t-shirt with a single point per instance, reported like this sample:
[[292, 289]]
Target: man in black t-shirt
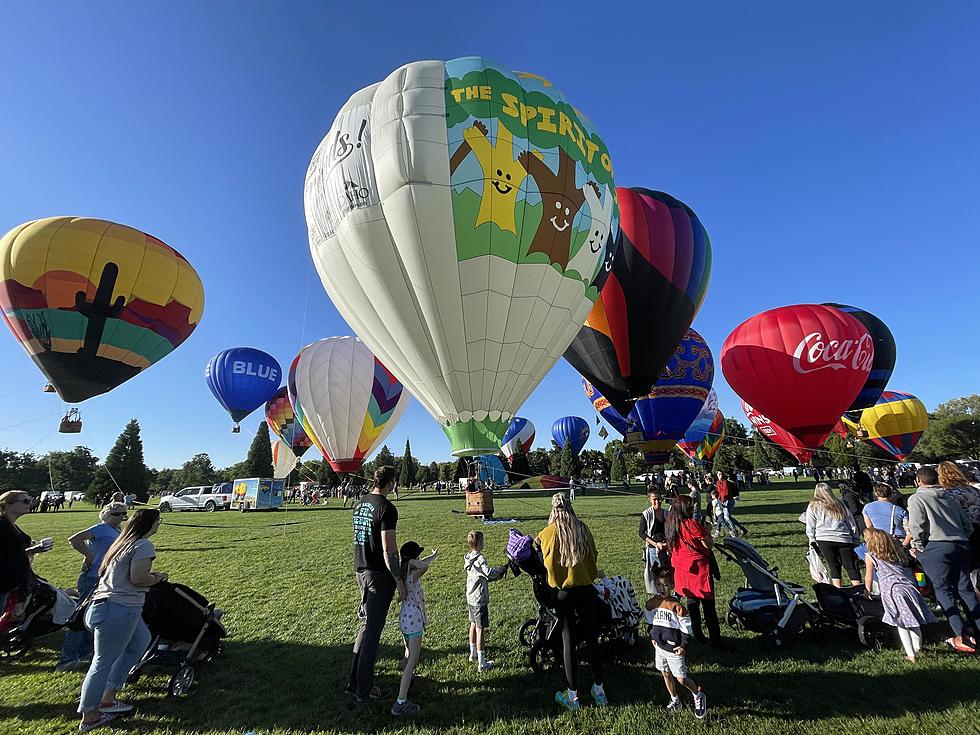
[[377, 565]]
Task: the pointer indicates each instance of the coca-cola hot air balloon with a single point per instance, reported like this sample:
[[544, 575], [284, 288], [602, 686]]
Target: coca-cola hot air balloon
[[895, 423], [699, 427], [282, 420], [520, 432], [460, 216], [656, 286], [94, 303], [884, 360], [801, 366], [346, 400], [777, 434]]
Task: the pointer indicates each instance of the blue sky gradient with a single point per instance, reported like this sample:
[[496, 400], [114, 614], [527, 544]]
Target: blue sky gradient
[[830, 151]]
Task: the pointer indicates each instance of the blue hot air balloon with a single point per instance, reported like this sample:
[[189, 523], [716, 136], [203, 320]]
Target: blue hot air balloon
[[491, 470], [573, 429], [242, 379], [605, 409]]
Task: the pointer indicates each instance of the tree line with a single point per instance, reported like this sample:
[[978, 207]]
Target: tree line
[[953, 432]]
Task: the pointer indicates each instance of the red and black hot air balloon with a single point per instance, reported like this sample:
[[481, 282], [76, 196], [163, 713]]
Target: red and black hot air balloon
[[777, 434], [657, 283], [801, 366], [884, 362]]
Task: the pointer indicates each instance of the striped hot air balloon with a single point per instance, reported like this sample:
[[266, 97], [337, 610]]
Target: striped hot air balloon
[[895, 423]]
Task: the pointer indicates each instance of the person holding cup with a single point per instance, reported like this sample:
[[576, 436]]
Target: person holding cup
[[16, 549]]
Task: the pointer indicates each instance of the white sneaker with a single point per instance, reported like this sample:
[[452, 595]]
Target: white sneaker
[[485, 666]]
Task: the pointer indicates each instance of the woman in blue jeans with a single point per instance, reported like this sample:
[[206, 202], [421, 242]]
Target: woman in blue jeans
[[115, 618], [92, 544]]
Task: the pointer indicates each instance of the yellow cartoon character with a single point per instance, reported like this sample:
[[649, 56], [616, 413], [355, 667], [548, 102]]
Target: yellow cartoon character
[[502, 174]]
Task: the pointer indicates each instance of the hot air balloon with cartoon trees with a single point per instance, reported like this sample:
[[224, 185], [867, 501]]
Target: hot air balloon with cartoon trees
[[462, 218], [895, 423], [95, 303]]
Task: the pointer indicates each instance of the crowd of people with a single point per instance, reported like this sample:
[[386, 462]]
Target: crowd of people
[[904, 542]]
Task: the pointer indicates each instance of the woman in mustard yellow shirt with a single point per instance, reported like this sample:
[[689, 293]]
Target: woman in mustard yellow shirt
[[569, 555]]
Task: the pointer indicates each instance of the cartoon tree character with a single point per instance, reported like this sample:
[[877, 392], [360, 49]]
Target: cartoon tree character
[[560, 200], [502, 175], [587, 258]]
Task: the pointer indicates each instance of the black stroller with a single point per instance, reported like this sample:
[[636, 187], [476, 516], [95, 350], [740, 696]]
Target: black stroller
[[186, 630], [850, 608], [616, 608], [34, 616], [767, 604]]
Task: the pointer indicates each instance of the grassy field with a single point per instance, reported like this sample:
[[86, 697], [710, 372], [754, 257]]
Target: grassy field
[[286, 584]]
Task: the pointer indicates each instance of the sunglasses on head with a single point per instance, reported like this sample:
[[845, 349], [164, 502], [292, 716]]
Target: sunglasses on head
[[118, 514]]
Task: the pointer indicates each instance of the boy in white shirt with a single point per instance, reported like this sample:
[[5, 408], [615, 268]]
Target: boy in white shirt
[[479, 574]]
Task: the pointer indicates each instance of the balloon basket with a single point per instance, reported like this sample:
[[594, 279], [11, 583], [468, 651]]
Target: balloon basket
[[71, 423], [236, 429], [479, 503], [48, 388]]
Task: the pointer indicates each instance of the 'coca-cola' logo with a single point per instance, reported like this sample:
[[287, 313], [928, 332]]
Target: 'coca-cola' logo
[[814, 353]]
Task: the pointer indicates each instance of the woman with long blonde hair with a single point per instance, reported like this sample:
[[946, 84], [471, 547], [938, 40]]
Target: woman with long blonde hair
[[903, 605], [115, 618], [956, 484], [833, 532], [569, 554]]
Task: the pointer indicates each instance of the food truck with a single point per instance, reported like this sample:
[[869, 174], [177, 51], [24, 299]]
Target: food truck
[[257, 493]]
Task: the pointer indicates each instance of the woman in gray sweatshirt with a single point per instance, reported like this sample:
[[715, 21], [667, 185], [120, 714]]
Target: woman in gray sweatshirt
[[832, 530]]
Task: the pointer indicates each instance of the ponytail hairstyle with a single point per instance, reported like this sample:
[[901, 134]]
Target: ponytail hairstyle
[[138, 525], [571, 534]]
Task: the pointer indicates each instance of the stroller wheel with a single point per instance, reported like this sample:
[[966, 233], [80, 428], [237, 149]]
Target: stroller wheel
[[732, 619], [528, 633], [775, 640], [871, 633], [543, 658], [180, 683]]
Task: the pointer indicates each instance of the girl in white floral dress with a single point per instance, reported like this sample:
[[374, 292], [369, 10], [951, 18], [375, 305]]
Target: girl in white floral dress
[[412, 620]]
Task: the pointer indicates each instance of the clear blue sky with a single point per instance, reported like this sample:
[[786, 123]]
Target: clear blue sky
[[831, 151]]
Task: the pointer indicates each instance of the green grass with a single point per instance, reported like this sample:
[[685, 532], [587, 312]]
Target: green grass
[[286, 584]]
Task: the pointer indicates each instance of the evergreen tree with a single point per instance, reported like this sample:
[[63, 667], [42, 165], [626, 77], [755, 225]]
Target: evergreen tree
[[124, 469], [617, 471], [554, 459], [520, 467], [433, 471], [409, 467], [258, 462], [539, 461], [570, 465]]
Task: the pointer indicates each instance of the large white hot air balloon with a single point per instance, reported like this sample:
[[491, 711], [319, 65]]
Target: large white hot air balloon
[[284, 460], [462, 218], [347, 401]]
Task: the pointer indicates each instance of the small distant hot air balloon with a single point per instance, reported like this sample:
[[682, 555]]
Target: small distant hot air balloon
[[281, 419], [801, 365], [713, 439], [895, 423], [699, 427], [572, 430], [884, 358], [346, 400], [520, 432], [94, 303], [777, 434], [242, 379], [463, 237], [656, 286], [284, 460]]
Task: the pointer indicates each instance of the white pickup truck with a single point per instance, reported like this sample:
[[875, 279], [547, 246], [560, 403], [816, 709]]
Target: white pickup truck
[[207, 498]]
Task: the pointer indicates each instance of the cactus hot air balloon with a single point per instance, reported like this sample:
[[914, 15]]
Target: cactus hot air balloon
[[462, 217], [94, 303], [895, 423], [346, 400]]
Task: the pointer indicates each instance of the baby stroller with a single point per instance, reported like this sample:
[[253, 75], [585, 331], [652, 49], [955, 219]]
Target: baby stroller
[[617, 610], [44, 610], [186, 630], [850, 608], [767, 604]]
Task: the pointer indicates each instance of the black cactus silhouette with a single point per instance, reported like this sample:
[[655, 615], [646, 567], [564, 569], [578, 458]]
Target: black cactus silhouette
[[99, 309]]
